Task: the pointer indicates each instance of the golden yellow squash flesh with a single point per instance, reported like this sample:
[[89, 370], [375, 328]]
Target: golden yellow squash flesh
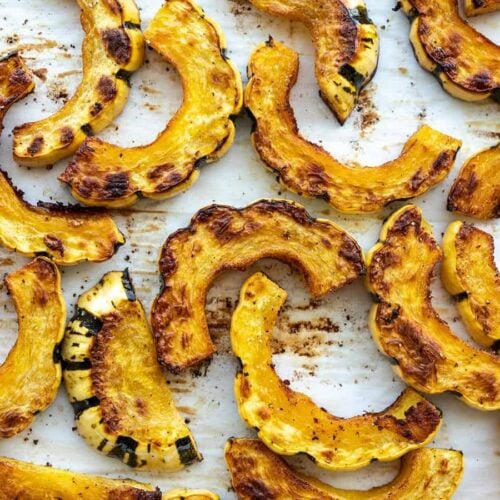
[[289, 422], [307, 169], [465, 61], [123, 406], [469, 273], [31, 374], [477, 7], [476, 191], [113, 47], [257, 473], [201, 131], [429, 356], [22, 480], [221, 237], [345, 41]]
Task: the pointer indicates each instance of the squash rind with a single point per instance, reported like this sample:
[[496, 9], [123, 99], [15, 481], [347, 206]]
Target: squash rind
[[477, 7], [308, 170], [122, 404], [429, 356]]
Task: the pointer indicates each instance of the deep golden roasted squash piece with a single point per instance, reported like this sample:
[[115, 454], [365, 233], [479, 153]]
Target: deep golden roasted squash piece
[[123, 406], [309, 170], [466, 63], [257, 473], [290, 422], [476, 7], [16, 82], [68, 235], [345, 41], [476, 191], [31, 374], [469, 273], [428, 355], [201, 131], [222, 237], [22, 480], [113, 47]]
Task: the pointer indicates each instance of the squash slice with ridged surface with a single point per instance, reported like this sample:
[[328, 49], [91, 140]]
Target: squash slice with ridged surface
[[428, 355], [31, 374], [201, 131], [113, 47], [345, 41], [24, 480], [476, 191], [68, 235], [477, 7], [469, 273], [289, 422], [221, 238], [466, 63], [257, 473], [16, 82], [123, 406], [307, 169]]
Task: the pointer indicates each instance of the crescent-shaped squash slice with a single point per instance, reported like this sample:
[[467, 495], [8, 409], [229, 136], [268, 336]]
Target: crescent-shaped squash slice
[[466, 63], [113, 47], [257, 473], [309, 170], [289, 422], [428, 355], [345, 41], [469, 273], [122, 403], [476, 192], [201, 131], [27, 481], [16, 82], [31, 374], [477, 7], [68, 235], [220, 238]]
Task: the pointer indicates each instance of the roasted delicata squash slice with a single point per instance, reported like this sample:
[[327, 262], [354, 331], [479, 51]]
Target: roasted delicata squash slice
[[289, 422], [16, 82], [257, 473], [477, 7], [469, 273], [465, 61], [68, 235], [476, 192], [31, 374], [113, 47], [309, 170], [122, 403], [29, 481], [346, 45], [428, 355], [201, 131], [220, 238]]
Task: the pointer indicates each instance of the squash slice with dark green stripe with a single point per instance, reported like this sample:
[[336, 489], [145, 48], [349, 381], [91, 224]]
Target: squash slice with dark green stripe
[[113, 47], [31, 374], [123, 406]]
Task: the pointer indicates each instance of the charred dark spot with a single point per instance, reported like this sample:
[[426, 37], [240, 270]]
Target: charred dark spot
[[95, 109], [19, 77], [106, 88], [407, 220], [36, 145], [417, 180], [116, 185], [254, 489], [482, 81], [351, 252], [54, 243], [66, 136], [117, 43]]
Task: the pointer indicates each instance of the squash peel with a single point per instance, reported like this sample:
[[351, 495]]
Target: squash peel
[[345, 41], [307, 169], [221, 238], [469, 274], [289, 422], [466, 63], [113, 47], [428, 355], [123, 406], [201, 131], [31, 374], [477, 7], [427, 474]]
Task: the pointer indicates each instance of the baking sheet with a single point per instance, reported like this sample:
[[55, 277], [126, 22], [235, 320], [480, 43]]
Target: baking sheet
[[330, 354]]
